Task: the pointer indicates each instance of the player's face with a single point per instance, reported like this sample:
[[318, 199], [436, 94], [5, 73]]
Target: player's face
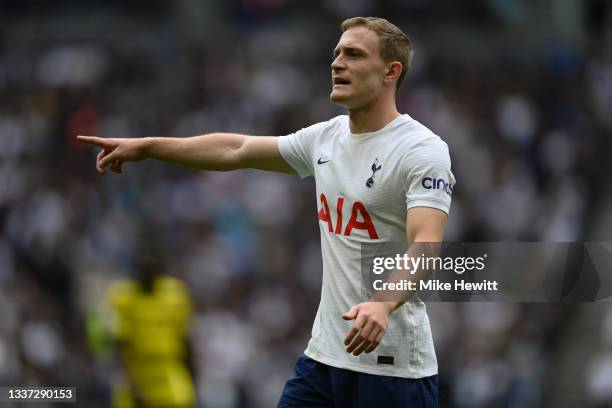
[[358, 69]]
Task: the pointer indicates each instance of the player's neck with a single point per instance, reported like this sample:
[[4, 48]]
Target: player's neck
[[372, 118]]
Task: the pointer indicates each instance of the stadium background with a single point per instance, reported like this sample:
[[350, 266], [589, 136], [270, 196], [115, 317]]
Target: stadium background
[[521, 91]]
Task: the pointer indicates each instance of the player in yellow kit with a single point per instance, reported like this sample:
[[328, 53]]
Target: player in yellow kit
[[150, 324]]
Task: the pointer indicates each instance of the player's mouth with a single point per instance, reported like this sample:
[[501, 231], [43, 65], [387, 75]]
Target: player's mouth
[[340, 81]]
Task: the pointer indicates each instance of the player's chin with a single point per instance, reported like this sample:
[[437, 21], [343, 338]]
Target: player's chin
[[340, 98]]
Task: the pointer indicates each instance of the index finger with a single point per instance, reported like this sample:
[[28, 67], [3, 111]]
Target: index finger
[[361, 341], [350, 335], [358, 325], [97, 141]]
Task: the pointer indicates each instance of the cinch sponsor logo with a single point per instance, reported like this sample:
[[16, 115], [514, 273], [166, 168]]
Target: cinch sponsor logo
[[432, 183]]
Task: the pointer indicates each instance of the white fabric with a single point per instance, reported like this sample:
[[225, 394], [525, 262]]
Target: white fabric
[[410, 158]]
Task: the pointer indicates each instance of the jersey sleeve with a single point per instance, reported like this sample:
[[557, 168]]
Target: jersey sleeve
[[430, 179], [296, 148]]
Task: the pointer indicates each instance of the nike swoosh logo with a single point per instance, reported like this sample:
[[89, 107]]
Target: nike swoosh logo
[[321, 161]]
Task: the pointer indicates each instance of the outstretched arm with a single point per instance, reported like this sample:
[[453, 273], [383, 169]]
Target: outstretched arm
[[215, 151]]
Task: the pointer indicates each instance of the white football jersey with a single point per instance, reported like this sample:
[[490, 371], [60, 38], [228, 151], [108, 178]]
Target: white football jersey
[[365, 184]]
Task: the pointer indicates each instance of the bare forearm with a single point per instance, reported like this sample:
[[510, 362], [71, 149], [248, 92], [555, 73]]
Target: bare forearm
[[215, 151], [424, 232]]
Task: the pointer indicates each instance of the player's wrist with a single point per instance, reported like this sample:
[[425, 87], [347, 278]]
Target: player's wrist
[[389, 306], [396, 305], [145, 148]]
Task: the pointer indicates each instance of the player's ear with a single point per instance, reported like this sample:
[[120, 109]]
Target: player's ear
[[394, 70]]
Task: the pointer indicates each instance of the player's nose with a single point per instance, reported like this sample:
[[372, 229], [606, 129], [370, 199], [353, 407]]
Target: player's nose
[[337, 64]]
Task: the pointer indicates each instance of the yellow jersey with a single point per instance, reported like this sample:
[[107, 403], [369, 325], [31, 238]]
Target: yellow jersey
[[152, 328]]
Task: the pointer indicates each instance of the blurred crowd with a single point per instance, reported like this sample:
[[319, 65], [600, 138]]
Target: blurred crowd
[[521, 92]]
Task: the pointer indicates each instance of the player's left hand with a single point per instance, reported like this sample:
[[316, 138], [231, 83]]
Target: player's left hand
[[371, 320]]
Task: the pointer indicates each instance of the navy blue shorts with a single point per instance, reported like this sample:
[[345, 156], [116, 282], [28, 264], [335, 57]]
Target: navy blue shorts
[[317, 385]]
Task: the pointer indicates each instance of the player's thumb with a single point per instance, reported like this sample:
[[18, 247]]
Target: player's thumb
[[351, 314], [108, 159]]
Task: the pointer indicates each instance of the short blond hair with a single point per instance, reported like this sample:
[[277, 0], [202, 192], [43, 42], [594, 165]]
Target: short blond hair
[[393, 43]]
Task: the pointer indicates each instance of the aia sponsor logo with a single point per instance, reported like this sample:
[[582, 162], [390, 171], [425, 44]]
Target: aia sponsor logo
[[434, 183], [358, 220]]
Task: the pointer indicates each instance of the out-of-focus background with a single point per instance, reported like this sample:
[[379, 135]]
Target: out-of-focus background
[[520, 90]]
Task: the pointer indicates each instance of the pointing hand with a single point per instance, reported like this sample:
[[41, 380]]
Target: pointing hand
[[115, 151]]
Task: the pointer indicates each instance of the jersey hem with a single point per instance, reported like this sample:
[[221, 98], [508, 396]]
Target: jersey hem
[[367, 370], [439, 205]]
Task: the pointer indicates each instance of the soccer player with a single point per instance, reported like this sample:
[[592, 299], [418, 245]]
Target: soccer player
[[151, 317], [380, 176]]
